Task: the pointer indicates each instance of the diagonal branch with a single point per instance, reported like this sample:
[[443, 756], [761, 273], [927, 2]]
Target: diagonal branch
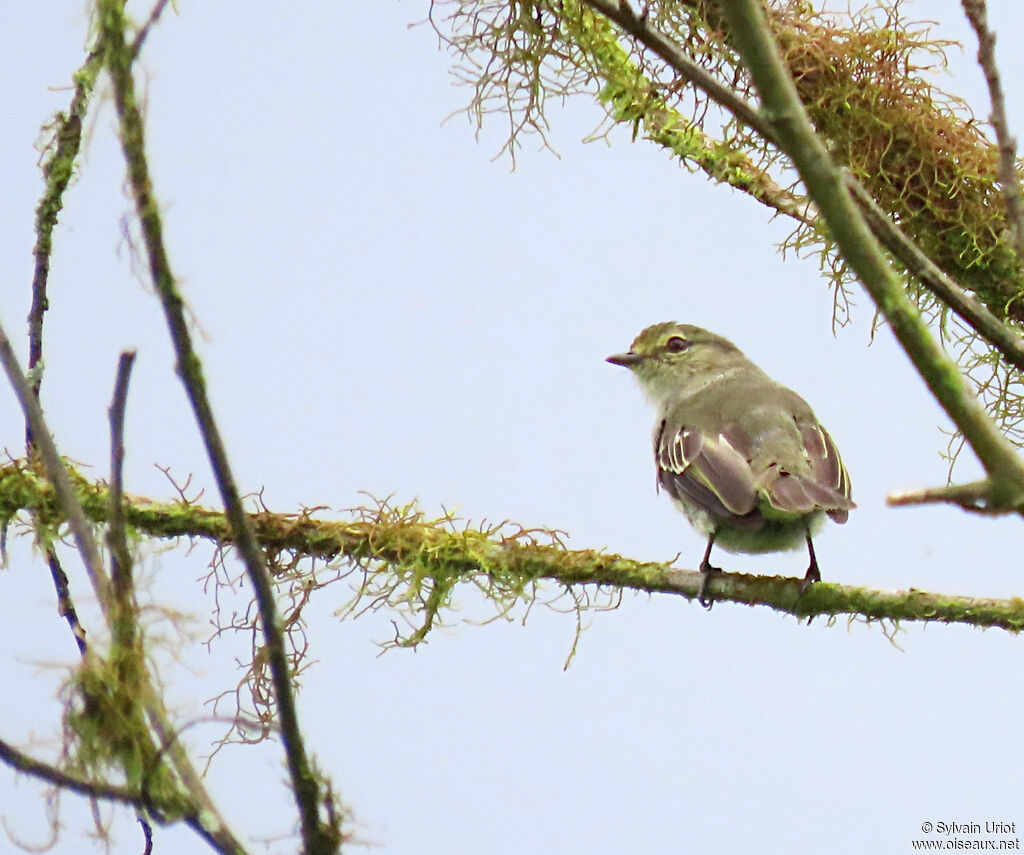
[[781, 106], [58, 167], [28, 765], [640, 27], [633, 97], [58, 164], [968, 307], [318, 837], [143, 33], [142, 801], [977, 14], [57, 473], [973, 311]]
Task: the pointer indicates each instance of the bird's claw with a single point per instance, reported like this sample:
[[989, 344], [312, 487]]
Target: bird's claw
[[810, 577], [706, 572]]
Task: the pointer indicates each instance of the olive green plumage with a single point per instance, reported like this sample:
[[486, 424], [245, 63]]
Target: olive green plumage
[[743, 457]]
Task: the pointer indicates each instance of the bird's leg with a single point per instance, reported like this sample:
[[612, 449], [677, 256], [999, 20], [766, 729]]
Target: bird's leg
[[707, 571], [813, 574]]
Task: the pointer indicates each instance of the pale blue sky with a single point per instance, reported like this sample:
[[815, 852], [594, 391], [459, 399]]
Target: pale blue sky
[[383, 307]]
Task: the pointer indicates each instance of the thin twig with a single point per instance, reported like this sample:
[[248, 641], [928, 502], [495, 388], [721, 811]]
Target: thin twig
[[58, 167], [968, 307], [56, 473], [1009, 180], [317, 837], [973, 497], [143, 33], [120, 560], [65, 604], [147, 834], [115, 793], [23, 762]]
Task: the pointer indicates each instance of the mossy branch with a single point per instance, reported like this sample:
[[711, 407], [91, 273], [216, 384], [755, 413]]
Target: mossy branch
[[58, 162], [397, 541], [866, 80], [632, 97], [320, 835], [781, 105], [1000, 335]]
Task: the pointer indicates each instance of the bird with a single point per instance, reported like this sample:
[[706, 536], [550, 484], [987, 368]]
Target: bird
[[743, 457]]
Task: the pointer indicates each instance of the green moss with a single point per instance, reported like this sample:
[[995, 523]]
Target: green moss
[[414, 564], [106, 733], [917, 149], [869, 81]]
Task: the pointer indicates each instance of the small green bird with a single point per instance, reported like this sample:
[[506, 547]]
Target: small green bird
[[743, 457]]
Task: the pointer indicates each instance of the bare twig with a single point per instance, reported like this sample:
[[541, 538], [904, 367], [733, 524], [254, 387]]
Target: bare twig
[[977, 14], [317, 836], [56, 473], [143, 802], [147, 834], [65, 604], [795, 135], [21, 761], [974, 497], [143, 33], [120, 560]]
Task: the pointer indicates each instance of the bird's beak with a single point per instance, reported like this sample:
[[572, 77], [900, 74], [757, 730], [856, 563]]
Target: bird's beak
[[626, 360]]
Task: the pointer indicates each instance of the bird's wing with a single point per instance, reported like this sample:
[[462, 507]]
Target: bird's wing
[[707, 470], [822, 485], [714, 472]]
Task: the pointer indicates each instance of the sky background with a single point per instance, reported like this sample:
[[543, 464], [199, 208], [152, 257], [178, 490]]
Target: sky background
[[385, 307]]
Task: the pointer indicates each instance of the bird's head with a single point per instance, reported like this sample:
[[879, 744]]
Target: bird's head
[[670, 359]]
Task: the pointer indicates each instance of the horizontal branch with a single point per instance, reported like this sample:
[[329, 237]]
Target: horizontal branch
[[404, 538]]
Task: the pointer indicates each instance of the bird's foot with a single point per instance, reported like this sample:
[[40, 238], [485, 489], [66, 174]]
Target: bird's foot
[[810, 577], [707, 572]]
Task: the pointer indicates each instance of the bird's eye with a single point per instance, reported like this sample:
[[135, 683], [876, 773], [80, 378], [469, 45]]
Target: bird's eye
[[676, 344]]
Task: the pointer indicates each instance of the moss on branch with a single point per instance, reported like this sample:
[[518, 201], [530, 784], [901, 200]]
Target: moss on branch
[[408, 557]]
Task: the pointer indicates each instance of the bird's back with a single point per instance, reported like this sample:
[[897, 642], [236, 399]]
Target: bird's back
[[783, 457]]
